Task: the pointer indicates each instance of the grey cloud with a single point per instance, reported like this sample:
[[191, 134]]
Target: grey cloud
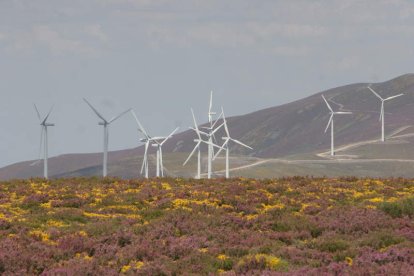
[[96, 31], [48, 38], [57, 44]]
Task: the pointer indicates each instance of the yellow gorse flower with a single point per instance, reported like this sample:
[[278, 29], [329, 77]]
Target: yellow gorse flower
[[349, 261], [125, 268], [222, 257]]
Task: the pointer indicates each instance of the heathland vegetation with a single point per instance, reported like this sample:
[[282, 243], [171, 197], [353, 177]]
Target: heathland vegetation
[[302, 226]]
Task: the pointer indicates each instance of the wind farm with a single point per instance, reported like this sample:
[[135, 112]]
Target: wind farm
[[351, 148], [200, 192], [217, 138]]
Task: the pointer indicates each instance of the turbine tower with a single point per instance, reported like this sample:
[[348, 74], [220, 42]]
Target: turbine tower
[[199, 140], [225, 145], [381, 118], [105, 123], [211, 131], [331, 124], [43, 141], [210, 151], [158, 144]]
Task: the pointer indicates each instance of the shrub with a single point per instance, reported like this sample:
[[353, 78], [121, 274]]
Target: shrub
[[382, 240], [224, 262], [399, 209], [333, 245], [34, 200], [261, 262]]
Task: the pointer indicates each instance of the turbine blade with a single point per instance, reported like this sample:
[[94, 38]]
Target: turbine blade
[[199, 132], [342, 112], [169, 136], [191, 154], [375, 93], [393, 97], [241, 144], [145, 157], [225, 123], [142, 166], [37, 112], [35, 163], [216, 121], [330, 108], [217, 129], [140, 127], [222, 148], [120, 115], [94, 110], [195, 124], [211, 102], [40, 147], [47, 116], [209, 143], [329, 122]]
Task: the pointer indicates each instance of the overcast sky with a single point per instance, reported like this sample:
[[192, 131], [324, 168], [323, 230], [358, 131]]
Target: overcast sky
[[162, 57]]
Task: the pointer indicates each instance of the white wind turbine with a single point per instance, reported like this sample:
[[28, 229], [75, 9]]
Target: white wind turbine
[[211, 131], [381, 118], [157, 142], [331, 124], [225, 145], [105, 123], [43, 141], [199, 140]]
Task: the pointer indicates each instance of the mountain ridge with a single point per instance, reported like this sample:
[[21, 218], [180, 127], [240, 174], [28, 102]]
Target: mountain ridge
[[291, 129]]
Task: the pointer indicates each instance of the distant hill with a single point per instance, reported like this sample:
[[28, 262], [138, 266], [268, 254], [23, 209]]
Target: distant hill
[[292, 130]]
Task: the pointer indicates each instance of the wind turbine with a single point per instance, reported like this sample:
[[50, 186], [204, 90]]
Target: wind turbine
[[105, 123], [199, 140], [381, 118], [225, 145], [211, 132], [331, 123], [157, 142], [43, 140], [158, 145]]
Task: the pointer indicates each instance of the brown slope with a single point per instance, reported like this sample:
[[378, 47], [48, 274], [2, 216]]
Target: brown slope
[[292, 129], [297, 127]]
